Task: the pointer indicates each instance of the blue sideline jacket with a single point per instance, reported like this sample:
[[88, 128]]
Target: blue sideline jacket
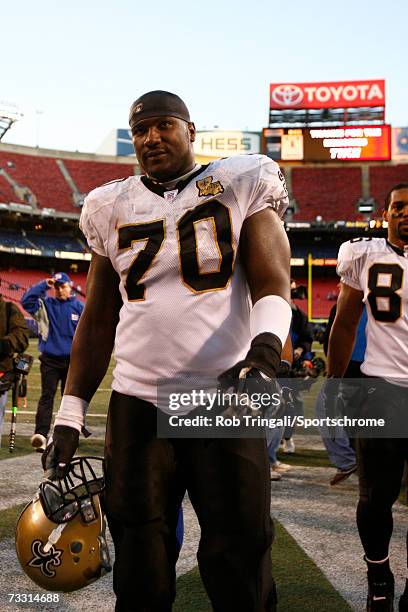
[[361, 340], [57, 319]]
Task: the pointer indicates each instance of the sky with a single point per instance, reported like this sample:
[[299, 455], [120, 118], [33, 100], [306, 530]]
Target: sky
[[74, 68]]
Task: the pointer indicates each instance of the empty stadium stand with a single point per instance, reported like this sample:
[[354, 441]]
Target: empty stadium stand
[[55, 243], [59, 180], [35, 177], [7, 193], [323, 291], [331, 193], [323, 249], [41, 241], [382, 179], [12, 239], [87, 174]]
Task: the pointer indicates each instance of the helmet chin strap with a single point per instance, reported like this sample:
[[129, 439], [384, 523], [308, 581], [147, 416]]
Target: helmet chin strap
[[54, 536]]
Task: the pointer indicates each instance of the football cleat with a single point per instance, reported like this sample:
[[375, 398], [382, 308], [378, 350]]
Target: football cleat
[[403, 601], [380, 597], [60, 534]]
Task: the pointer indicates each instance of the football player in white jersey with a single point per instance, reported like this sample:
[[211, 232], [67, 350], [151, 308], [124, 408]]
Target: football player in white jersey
[[375, 272], [170, 291]]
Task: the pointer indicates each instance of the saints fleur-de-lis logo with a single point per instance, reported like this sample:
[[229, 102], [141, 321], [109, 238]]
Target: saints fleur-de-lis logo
[[45, 561], [207, 187]]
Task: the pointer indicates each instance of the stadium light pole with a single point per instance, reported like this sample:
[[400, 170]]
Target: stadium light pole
[[9, 114], [309, 285], [38, 115]]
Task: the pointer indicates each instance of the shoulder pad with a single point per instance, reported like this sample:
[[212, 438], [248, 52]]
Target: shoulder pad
[[259, 167], [105, 192], [241, 163], [351, 258], [113, 181], [357, 247]]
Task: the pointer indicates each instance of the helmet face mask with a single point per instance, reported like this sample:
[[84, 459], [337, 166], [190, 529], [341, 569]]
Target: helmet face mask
[[62, 499], [60, 535]]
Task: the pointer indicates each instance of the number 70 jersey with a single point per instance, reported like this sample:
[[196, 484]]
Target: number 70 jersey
[[380, 270], [185, 297]]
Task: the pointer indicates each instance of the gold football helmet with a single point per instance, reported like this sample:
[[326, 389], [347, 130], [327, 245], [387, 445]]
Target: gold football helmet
[[60, 534]]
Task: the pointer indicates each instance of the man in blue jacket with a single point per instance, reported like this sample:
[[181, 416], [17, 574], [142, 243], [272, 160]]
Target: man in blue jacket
[[57, 319]]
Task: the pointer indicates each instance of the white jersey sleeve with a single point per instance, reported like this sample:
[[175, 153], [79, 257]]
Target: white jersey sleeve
[[271, 189], [95, 216], [258, 183], [350, 262]]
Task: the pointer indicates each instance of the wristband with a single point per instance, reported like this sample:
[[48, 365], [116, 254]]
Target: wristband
[[72, 412], [271, 314]]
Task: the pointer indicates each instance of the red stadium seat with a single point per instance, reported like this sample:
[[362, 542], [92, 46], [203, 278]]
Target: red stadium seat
[[331, 193], [88, 174], [43, 177], [6, 192], [383, 178], [322, 289]]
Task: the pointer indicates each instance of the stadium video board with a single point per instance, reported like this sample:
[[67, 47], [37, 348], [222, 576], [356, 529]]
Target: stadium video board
[[328, 144], [337, 94]]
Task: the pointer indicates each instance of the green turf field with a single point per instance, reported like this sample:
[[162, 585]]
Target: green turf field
[[87, 446], [301, 586]]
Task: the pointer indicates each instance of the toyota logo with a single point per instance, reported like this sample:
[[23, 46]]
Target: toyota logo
[[287, 95]]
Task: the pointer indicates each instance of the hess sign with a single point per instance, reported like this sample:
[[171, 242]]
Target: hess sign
[[224, 144], [337, 94], [344, 143]]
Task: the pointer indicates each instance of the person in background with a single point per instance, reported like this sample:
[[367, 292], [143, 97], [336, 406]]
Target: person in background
[[301, 335], [13, 339], [57, 319], [274, 436], [374, 272], [339, 448]]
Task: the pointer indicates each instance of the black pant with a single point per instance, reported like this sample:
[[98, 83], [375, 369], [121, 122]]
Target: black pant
[[53, 370], [381, 464], [229, 488]]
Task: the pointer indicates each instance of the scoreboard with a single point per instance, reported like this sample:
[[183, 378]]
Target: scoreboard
[[325, 144]]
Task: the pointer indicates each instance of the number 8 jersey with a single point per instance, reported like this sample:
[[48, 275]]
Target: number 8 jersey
[[185, 298], [380, 270]]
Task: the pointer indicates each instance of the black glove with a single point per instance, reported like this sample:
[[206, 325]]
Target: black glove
[[284, 370], [263, 355], [60, 450], [254, 374]]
